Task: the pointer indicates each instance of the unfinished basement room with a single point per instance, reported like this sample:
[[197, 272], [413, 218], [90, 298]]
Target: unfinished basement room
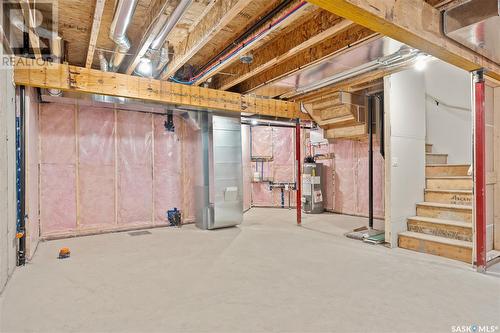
[[250, 166]]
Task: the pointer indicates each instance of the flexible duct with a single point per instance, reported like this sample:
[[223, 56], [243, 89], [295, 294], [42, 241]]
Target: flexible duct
[[118, 31], [156, 52]]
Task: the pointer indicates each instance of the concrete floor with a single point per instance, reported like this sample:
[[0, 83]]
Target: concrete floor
[[266, 275]]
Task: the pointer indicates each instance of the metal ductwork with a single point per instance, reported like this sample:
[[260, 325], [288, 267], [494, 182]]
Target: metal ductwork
[[103, 63], [118, 32], [378, 53], [156, 53], [57, 49], [475, 24], [219, 190]]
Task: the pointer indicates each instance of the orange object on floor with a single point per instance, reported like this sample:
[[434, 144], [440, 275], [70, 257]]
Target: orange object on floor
[[64, 253]]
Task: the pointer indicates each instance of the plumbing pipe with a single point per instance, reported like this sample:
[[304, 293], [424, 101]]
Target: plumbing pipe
[[241, 46], [480, 171], [248, 32], [118, 32]]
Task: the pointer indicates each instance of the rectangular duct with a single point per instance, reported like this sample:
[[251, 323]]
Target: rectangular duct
[[476, 24], [219, 194]]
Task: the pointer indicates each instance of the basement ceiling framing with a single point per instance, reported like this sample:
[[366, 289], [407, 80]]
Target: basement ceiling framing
[[286, 36]]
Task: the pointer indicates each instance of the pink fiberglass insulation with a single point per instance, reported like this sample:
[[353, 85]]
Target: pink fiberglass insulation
[[191, 154], [261, 195], [57, 198], [96, 169], [167, 169], [262, 141], [57, 126], [32, 223], [345, 164], [283, 154], [247, 167], [57, 169], [135, 179]]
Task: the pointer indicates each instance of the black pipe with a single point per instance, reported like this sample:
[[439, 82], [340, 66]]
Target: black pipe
[[247, 33], [380, 98], [370, 161], [21, 254]]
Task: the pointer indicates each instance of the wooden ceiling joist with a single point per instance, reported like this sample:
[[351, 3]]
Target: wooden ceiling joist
[[413, 22], [94, 33], [320, 26], [328, 47], [49, 75], [222, 12], [33, 36], [291, 19], [156, 17]]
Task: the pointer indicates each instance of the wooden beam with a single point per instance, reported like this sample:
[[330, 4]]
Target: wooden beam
[[33, 36], [157, 15], [264, 33], [49, 75], [94, 33], [222, 12], [413, 22], [327, 48], [320, 26]]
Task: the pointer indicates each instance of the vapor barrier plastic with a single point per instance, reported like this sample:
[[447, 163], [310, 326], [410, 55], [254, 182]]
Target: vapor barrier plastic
[[278, 143], [167, 169], [57, 168], [262, 141], [96, 167], [103, 169], [135, 177], [247, 166]]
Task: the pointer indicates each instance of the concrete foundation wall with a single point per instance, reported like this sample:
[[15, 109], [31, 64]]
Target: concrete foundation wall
[[7, 175]]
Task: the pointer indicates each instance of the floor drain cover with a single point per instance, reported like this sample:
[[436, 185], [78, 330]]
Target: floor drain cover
[[139, 233]]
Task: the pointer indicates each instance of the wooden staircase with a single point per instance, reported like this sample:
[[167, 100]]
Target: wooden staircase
[[443, 224]]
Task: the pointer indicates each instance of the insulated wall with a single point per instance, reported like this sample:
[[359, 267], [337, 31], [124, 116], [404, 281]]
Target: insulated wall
[[103, 169], [273, 158], [345, 177]]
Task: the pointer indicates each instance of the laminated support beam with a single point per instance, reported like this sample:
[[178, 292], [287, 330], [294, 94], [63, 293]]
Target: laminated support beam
[[413, 22], [64, 77]]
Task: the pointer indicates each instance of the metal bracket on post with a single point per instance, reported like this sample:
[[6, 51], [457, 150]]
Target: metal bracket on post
[[479, 171]]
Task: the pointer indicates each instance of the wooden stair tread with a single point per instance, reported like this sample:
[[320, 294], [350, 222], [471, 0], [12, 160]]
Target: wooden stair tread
[[448, 165], [443, 205], [437, 239], [450, 191], [449, 177], [441, 221]]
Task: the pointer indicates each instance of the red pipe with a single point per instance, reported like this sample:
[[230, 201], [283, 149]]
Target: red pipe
[[299, 180], [480, 174]]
